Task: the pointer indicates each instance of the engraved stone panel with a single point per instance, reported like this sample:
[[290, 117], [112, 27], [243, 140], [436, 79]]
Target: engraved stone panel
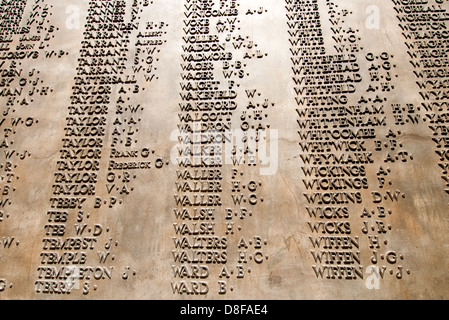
[[224, 149]]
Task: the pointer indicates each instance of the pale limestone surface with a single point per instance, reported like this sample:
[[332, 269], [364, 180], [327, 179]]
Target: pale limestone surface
[[352, 98]]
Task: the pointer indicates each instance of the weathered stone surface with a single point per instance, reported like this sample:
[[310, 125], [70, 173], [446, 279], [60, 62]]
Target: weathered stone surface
[[195, 149]]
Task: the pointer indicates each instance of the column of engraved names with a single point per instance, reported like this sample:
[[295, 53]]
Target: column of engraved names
[[67, 257], [11, 17], [246, 149], [345, 132], [209, 143], [25, 42], [132, 153], [424, 25], [10, 25], [198, 243], [334, 135]]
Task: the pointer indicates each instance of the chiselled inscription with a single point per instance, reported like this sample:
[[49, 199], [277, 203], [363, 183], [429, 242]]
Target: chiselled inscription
[[223, 149]]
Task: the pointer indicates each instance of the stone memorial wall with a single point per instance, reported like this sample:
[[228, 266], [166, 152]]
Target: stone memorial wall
[[224, 149]]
